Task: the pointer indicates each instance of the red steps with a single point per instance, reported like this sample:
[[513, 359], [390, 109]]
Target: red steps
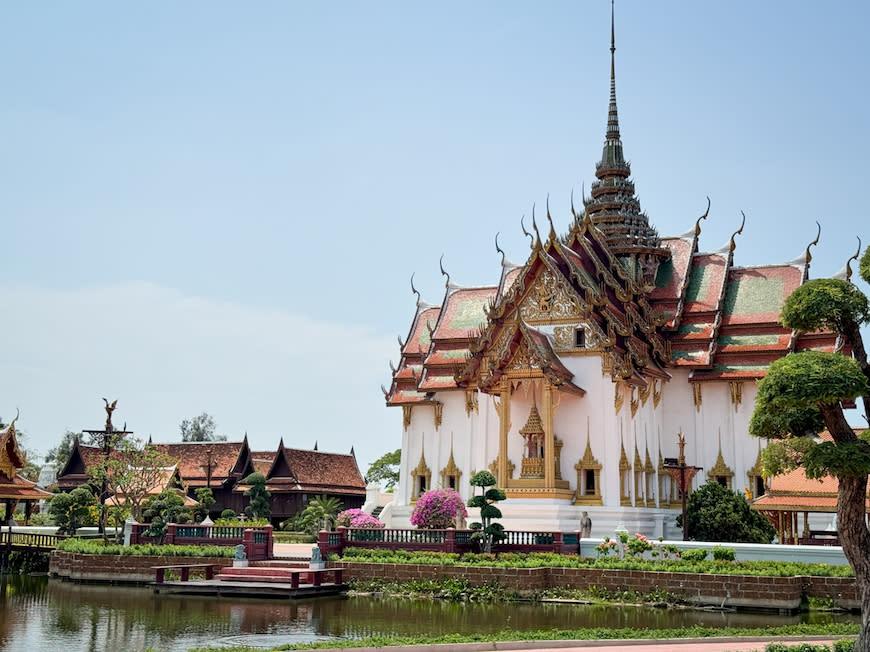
[[293, 576]]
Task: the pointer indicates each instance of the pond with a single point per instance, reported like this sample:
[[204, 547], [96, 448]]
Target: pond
[[37, 613]]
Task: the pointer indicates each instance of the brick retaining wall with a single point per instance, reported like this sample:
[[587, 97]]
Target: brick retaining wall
[[118, 568], [740, 591]]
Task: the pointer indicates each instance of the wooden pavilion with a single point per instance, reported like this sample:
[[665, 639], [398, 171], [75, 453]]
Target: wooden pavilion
[[13, 487]]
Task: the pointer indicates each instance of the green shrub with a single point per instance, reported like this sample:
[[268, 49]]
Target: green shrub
[[228, 513], [695, 554], [800, 647], [721, 553], [93, 547], [844, 645]]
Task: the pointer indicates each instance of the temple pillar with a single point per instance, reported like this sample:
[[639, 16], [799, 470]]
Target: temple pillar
[[549, 443], [504, 422]]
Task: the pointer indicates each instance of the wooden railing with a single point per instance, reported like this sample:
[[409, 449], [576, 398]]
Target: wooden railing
[[28, 541], [258, 540], [450, 540]]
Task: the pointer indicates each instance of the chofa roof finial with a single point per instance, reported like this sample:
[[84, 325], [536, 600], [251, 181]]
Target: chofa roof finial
[[499, 249], [732, 244], [808, 255], [849, 262], [441, 265], [535, 228], [552, 234], [414, 290], [523, 226], [703, 217]]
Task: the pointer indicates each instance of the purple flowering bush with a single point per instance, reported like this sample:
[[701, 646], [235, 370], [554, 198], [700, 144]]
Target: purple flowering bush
[[438, 509], [356, 518]]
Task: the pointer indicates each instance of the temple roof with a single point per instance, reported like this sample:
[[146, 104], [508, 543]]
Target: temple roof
[[312, 471], [229, 461]]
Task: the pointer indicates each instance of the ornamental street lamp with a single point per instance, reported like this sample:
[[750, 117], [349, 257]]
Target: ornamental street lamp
[[682, 476]]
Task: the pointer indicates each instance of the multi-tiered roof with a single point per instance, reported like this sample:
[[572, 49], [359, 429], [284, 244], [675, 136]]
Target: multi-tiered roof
[[648, 303]]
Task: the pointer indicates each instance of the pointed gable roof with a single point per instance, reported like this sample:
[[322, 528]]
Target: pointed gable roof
[[314, 471], [229, 461], [11, 459]]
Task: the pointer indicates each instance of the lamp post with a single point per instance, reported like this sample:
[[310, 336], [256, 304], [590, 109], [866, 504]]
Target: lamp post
[[682, 475]]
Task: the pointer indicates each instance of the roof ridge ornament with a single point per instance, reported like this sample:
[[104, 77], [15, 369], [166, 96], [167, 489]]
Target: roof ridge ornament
[[414, 290], [537, 244], [703, 217], [815, 242], [499, 249], [523, 226], [441, 265], [732, 244], [552, 234], [846, 272]]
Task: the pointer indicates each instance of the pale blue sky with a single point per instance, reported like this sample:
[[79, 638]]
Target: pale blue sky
[[214, 206]]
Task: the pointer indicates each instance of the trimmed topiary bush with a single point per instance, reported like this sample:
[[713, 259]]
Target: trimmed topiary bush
[[438, 509]]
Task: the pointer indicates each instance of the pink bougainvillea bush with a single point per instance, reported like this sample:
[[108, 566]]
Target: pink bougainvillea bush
[[438, 509], [356, 518]]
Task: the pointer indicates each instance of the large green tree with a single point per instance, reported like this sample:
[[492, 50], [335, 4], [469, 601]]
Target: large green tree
[[385, 469], [200, 428], [59, 455], [804, 392], [715, 513]]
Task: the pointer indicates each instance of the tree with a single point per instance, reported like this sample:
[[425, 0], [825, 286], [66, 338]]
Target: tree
[[205, 498], [200, 428], [59, 455], [69, 510], [715, 513], [438, 509], [320, 513], [803, 392], [163, 509], [130, 473], [260, 506], [487, 532], [386, 469]]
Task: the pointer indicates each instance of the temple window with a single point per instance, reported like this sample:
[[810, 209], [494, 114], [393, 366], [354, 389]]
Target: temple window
[[639, 482], [720, 472], [588, 478], [450, 474], [580, 338], [624, 479], [756, 478], [421, 478]]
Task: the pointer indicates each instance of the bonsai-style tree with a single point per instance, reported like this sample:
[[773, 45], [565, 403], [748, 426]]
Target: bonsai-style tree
[[163, 509], [69, 511], [715, 513], [438, 509], [261, 505], [487, 532], [205, 498], [802, 394]]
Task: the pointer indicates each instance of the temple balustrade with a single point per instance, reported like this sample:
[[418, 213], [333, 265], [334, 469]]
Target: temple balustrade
[[449, 540]]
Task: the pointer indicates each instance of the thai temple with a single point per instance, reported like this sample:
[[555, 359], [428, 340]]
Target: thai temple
[[574, 375]]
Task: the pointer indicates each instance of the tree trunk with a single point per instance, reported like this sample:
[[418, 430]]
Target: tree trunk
[[852, 522], [853, 333]]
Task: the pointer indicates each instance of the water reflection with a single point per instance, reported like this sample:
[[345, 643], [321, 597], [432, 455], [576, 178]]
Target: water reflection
[[42, 614]]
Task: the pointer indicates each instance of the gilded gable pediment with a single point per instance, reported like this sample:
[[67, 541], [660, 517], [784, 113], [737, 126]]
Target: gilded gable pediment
[[551, 298]]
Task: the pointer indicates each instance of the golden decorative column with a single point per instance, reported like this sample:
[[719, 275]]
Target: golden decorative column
[[549, 443], [504, 421]]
